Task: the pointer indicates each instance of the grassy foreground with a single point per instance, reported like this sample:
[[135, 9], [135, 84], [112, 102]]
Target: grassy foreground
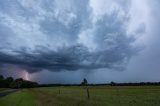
[[3, 89], [77, 96], [20, 98]]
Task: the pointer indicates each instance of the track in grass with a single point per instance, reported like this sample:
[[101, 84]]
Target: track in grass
[[7, 92]]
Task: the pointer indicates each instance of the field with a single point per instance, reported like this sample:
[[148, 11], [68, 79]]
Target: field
[[77, 96], [3, 89]]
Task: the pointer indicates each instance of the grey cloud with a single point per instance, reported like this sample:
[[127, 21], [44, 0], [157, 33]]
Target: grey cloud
[[114, 46], [55, 26], [72, 58]]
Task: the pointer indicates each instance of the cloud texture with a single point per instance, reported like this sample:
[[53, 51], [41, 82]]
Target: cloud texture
[[70, 35]]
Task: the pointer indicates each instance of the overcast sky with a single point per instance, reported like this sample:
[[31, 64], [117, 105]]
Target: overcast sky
[[64, 41]]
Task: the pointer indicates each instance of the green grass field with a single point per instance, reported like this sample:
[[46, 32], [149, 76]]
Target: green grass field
[[3, 89], [77, 96]]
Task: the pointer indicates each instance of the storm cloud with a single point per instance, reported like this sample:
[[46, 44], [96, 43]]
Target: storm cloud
[[70, 35]]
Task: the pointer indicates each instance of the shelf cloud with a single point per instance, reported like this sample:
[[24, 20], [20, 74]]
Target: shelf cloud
[[65, 35]]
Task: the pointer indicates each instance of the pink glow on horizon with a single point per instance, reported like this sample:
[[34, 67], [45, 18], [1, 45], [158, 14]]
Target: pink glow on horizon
[[26, 75]]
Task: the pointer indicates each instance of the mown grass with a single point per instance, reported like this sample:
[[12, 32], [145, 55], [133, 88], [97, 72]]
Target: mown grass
[[77, 96], [3, 89], [20, 98], [99, 96]]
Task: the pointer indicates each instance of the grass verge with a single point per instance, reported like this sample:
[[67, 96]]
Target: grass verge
[[20, 98]]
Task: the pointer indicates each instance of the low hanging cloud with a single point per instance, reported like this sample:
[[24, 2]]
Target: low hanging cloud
[[59, 35]]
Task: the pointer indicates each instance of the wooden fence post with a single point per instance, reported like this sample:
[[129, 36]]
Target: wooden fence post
[[59, 91], [88, 93]]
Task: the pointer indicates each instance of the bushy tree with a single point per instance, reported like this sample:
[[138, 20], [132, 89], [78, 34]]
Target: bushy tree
[[112, 83], [8, 81], [1, 81], [84, 82], [1, 77], [20, 83]]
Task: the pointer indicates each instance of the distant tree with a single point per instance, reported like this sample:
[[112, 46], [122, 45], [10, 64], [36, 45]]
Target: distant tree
[[29, 84], [1, 77], [1, 81], [112, 83], [8, 81], [19, 82], [84, 82], [14, 85]]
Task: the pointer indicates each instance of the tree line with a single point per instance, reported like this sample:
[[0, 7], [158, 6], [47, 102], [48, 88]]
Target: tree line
[[85, 83], [9, 82]]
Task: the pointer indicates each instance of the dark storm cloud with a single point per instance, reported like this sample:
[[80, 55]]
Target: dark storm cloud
[[56, 36], [70, 58]]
